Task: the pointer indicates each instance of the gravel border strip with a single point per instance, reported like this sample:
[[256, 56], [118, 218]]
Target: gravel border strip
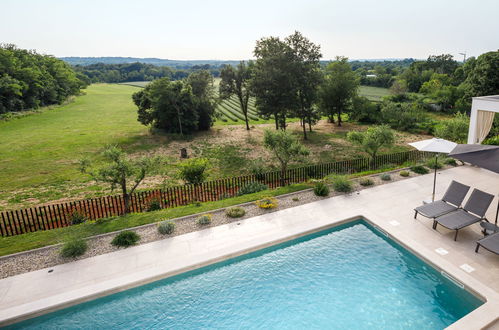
[[48, 256]]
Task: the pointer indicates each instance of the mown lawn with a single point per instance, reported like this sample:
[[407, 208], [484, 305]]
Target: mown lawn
[[45, 148]]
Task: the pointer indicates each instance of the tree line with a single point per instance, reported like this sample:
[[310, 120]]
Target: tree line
[[29, 80], [288, 80], [127, 72]]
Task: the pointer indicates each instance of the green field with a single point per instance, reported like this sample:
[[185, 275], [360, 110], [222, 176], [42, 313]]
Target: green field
[[373, 93], [44, 148], [136, 83]]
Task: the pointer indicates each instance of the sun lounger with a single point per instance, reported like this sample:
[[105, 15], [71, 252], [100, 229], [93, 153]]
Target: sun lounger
[[474, 211], [490, 243], [451, 201]]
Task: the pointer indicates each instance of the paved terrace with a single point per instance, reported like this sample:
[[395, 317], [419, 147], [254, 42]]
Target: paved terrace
[[388, 206]]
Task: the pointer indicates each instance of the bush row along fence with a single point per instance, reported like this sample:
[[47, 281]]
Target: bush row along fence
[[53, 216]]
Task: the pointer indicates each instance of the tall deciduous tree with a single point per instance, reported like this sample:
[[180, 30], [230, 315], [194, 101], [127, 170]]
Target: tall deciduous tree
[[307, 77], [272, 80], [339, 87], [168, 105], [119, 170], [235, 81], [284, 147], [201, 83]]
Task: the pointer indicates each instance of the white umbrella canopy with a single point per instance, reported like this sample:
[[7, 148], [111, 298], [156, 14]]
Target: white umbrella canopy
[[434, 145]]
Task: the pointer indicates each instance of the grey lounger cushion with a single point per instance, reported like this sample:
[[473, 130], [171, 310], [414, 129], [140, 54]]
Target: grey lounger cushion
[[472, 212], [457, 219], [435, 209], [490, 242]]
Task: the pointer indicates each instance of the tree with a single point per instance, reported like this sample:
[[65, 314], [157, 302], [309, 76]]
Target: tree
[[365, 111], [484, 76], [307, 77], [403, 116], [373, 139], [201, 83], [235, 81], [339, 87], [119, 170], [455, 129], [168, 105], [399, 87], [284, 148], [272, 82]]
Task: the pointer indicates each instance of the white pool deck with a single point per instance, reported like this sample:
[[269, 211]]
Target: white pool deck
[[388, 206]]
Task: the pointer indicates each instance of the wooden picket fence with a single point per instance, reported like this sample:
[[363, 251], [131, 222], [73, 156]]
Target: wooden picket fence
[[16, 222]]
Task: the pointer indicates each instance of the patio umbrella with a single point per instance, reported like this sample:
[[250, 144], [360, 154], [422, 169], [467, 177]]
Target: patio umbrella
[[438, 146], [483, 156]]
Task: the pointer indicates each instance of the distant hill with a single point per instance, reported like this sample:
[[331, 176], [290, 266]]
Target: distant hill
[[182, 64], [153, 61]]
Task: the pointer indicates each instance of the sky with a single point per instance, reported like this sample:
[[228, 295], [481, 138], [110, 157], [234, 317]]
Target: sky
[[227, 30]]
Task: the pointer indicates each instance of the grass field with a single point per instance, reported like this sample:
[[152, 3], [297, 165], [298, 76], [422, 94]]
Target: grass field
[[44, 148], [40, 152], [373, 93]]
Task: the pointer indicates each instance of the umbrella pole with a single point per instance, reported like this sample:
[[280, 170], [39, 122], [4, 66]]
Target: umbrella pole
[[497, 212], [434, 179]]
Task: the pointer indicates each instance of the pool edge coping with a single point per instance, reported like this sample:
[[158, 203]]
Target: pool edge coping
[[487, 298]]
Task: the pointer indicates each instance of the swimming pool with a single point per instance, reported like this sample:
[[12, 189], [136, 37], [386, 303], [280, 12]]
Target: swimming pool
[[350, 276]]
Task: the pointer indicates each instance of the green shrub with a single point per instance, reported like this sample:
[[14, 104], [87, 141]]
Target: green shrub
[[193, 170], [366, 182], [494, 141], [267, 203], [166, 227], [295, 199], [74, 248], [125, 239], [434, 164], [154, 205], [450, 161], [252, 187], [386, 177], [404, 173], [420, 169], [321, 189], [77, 217], [204, 219], [235, 212], [342, 184]]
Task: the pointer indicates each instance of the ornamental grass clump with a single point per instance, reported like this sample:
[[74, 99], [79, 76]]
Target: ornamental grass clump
[[404, 173], [365, 182], [204, 219], [125, 239], [342, 184], [321, 189], [252, 187], [74, 248], [235, 212], [386, 177], [267, 203], [420, 169], [166, 227], [434, 164], [450, 161], [154, 205], [77, 217]]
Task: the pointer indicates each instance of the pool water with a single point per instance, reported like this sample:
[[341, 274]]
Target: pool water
[[347, 277]]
